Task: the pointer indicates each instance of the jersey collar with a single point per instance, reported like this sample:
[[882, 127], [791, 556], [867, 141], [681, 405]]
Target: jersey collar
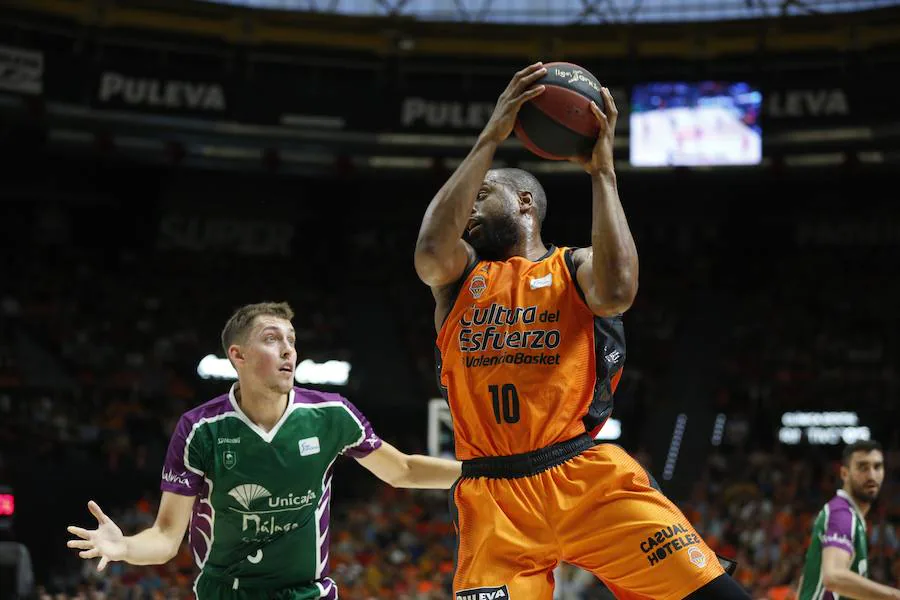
[[852, 502], [548, 254], [267, 436]]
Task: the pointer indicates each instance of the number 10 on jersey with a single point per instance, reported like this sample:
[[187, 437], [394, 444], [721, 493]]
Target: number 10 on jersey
[[506, 398]]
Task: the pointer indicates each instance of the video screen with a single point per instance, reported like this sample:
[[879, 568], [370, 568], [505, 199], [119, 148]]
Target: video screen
[[695, 124]]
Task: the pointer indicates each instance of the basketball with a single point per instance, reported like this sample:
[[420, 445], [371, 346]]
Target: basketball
[[559, 123]]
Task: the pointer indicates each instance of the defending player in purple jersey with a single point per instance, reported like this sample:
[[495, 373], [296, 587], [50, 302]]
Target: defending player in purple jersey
[[250, 474]]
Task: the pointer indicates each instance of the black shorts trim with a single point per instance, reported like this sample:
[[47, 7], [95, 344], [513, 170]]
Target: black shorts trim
[[527, 464]]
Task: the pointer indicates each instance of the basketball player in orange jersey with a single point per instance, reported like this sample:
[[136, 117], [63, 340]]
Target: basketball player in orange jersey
[[530, 349]]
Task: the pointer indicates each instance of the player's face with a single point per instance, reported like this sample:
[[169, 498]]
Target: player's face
[[269, 354], [865, 474], [493, 226]]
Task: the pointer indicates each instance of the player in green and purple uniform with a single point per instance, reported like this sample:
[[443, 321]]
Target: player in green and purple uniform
[[837, 558], [251, 470]]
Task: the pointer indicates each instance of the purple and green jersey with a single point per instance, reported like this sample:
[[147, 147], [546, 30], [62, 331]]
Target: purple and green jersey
[[261, 518], [840, 524]]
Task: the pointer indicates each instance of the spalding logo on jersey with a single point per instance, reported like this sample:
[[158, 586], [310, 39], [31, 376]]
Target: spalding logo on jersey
[[477, 286], [483, 593]]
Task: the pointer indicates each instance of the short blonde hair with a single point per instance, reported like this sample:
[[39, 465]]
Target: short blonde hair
[[238, 325]]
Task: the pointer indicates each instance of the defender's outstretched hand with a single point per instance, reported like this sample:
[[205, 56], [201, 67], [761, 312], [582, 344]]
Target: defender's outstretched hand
[[601, 158], [106, 541]]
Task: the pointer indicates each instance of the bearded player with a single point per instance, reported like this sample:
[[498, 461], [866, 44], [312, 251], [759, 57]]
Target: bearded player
[[837, 559], [530, 350]]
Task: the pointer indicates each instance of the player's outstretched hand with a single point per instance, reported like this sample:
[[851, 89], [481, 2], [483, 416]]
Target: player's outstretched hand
[[601, 158], [503, 119], [106, 542]]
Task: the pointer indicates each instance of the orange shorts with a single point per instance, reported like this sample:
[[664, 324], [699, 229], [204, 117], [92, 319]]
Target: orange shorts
[[597, 510]]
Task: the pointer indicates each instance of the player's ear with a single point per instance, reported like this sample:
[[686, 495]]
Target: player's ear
[[526, 201], [235, 355]]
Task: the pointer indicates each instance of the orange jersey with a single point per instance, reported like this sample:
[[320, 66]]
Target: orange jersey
[[523, 362]]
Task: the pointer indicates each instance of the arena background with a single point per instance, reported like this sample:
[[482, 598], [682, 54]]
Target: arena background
[[164, 162]]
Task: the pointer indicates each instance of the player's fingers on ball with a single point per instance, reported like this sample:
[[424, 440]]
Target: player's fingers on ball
[[80, 544], [527, 83], [527, 70], [601, 118], [532, 77], [610, 101], [529, 94], [92, 553], [82, 533], [520, 86]]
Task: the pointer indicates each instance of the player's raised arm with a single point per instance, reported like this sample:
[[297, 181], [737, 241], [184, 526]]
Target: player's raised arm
[[153, 546], [441, 254], [411, 470], [838, 578], [608, 271]]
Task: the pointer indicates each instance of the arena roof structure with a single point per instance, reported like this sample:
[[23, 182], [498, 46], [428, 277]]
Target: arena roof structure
[[565, 12]]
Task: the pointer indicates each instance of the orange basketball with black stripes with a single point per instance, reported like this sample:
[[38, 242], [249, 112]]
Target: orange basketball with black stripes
[[559, 123]]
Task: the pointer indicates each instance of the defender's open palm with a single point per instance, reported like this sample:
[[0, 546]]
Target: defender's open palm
[[106, 542]]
